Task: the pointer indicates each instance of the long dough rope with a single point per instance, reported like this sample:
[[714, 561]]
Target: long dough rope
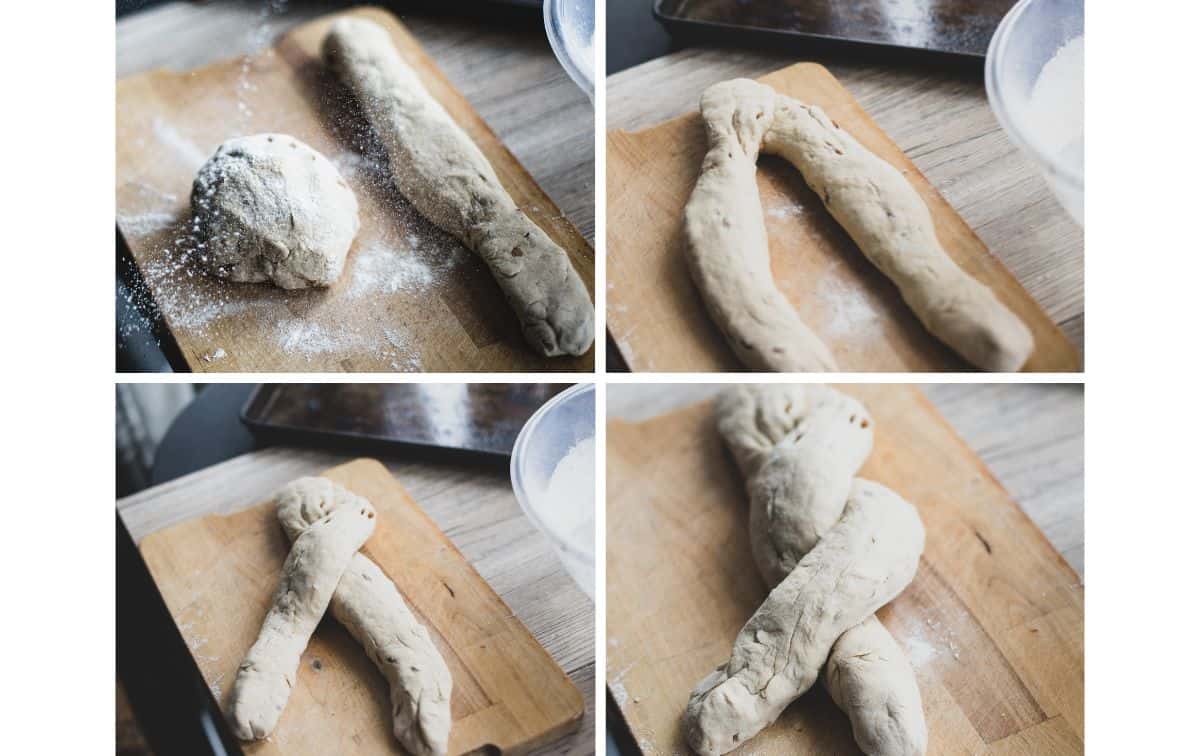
[[799, 448], [370, 607], [871, 200], [311, 572], [439, 169], [727, 242]]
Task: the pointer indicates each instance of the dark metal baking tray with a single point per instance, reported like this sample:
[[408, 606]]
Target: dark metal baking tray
[[475, 419], [956, 29]]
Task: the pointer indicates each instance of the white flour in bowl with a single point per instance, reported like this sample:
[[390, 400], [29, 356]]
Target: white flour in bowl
[[1056, 105], [567, 506]]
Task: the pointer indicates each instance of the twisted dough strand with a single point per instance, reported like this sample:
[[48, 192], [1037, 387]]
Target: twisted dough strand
[[799, 448]]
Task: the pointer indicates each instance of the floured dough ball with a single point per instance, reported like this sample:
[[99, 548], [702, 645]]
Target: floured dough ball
[[270, 208]]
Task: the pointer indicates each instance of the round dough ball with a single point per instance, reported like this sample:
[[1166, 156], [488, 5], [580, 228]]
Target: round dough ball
[[270, 208]]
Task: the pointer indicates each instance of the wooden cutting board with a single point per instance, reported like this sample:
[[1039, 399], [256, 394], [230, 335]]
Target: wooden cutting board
[[993, 622], [655, 314], [217, 575], [410, 297]]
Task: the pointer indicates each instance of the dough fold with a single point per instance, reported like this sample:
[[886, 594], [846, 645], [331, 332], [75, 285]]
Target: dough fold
[[884, 215]]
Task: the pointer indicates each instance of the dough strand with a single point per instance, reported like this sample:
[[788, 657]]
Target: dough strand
[[726, 237], [728, 254], [437, 167], [367, 603], [799, 448], [310, 574]]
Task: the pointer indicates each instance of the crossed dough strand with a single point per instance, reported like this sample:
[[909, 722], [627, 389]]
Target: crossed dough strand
[[310, 574], [367, 603], [859, 565], [799, 448]]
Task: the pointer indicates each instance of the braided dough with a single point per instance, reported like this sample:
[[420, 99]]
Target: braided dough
[[439, 169], [370, 607], [799, 448], [873, 202], [310, 574]]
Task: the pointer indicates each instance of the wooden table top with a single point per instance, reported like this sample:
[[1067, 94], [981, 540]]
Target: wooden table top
[[509, 75], [1029, 435], [473, 505], [941, 119]]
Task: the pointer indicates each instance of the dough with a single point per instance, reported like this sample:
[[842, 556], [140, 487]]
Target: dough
[[370, 607], [270, 208], [871, 200], [726, 238], [437, 167], [860, 564], [799, 448], [310, 574]]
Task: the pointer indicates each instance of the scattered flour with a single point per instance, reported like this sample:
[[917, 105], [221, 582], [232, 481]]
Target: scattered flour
[[376, 267], [309, 338], [183, 148], [259, 37], [850, 314], [365, 169], [620, 695], [146, 224], [785, 211]]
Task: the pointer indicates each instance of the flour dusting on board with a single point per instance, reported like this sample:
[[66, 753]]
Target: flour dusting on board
[[381, 268], [785, 211], [146, 224], [849, 313], [183, 148], [305, 324]]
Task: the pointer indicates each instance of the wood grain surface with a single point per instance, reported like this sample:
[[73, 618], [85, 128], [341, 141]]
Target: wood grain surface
[[656, 315], [472, 505], [993, 622], [410, 298]]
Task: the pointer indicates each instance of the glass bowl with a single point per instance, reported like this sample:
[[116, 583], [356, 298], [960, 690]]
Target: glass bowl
[[567, 518], [570, 26], [1032, 34]]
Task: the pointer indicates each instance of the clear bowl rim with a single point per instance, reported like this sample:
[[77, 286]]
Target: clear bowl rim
[[517, 477], [555, 35], [992, 64]]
